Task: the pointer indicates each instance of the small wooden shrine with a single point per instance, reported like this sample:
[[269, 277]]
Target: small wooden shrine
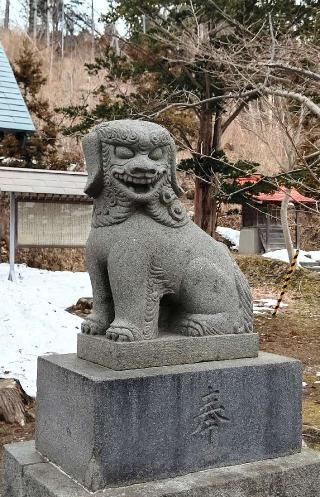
[[261, 223]]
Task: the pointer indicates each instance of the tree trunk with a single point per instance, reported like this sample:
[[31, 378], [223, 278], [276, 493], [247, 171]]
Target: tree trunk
[[203, 206], [285, 224], [45, 21], [203, 200], [205, 203], [7, 15], [13, 402], [32, 28], [216, 146]]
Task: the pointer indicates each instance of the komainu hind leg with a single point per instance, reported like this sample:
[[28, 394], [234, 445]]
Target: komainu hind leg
[[209, 301], [197, 325]]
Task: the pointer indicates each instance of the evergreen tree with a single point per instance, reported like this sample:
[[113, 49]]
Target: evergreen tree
[[39, 149]]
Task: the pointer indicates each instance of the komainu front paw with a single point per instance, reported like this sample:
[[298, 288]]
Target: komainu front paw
[[121, 331], [117, 334], [93, 327]]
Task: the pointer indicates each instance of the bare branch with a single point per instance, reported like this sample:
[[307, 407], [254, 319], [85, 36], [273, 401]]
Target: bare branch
[[296, 70], [231, 21], [234, 114], [302, 99], [273, 49], [207, 100]]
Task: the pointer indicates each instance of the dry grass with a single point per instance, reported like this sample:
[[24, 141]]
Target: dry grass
[[68, 82], [269, 274], [67, 79]]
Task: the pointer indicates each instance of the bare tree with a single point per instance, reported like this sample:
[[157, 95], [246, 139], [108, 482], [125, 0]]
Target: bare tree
[[266, 68], [33, 16], [7, 15], [210, 70], [286, 135], [252, 66], [292, 143]]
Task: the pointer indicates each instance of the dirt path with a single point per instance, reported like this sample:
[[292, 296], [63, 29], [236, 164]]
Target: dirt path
[[296, 333]]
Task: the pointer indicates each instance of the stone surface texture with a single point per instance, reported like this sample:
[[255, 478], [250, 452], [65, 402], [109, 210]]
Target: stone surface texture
[[166, 350], [290, 476], [150, 266], [18, 457], [109, 428]]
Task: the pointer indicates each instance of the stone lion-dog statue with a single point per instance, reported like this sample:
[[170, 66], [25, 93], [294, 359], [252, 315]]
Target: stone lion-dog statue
[[150, 266]]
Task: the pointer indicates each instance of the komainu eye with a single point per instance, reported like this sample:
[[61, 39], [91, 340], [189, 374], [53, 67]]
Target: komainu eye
[[124, 152], [156, 154]]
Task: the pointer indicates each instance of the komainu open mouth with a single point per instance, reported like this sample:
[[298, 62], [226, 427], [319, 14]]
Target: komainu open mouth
[[138, 184]]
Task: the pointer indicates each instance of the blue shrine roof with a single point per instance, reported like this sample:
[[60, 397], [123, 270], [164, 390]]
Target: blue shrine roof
[[14, 115]]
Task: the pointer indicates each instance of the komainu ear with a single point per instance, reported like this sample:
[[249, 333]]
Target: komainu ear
[[91, 146]]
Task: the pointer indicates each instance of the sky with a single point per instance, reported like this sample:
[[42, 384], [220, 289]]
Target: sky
[[18, 11]]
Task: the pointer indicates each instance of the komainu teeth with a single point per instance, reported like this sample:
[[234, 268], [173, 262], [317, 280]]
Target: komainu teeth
[[130, 181]]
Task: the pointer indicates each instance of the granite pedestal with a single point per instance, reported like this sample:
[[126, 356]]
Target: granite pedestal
[[167, 350], [298, 475], [109, 428]]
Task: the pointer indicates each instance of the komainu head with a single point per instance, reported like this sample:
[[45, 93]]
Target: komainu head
[[132, 164]]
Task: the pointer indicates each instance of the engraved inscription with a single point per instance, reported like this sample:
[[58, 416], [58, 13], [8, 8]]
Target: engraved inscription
[[212, 415]]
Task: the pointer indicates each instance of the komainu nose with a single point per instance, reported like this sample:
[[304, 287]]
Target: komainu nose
[[143, 170]]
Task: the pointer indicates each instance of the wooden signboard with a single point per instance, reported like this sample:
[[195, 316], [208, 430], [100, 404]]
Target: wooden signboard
[[53, 224]]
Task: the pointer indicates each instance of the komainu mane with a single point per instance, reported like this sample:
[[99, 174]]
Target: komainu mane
[[150, 266]]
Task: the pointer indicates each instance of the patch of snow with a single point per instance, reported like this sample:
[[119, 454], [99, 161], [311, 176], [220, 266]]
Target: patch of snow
[[230, 234], [34, 320], [282, 255], [315, 254], [304, 384], [318, 373], [263, 306], [10, 160], [190, 214]]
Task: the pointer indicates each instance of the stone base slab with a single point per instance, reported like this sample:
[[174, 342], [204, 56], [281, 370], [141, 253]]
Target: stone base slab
[[28, 475], [110, 428], [166, 350]]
